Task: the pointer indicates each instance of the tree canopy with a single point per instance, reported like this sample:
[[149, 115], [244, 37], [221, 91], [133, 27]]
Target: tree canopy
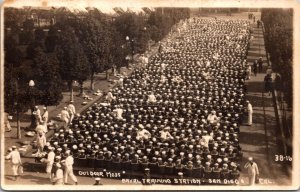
[[57, 46], [278, 25]]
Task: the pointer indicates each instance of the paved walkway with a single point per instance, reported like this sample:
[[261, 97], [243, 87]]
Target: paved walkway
[[259, 140]]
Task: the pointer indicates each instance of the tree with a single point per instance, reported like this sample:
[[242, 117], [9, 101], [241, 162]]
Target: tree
[[82, 70], [38, 42], [118, 50], [94, 38], [39, 34], [278, 26], [13, 18], [162, 19], [13, 56], [72, 59], [51, 39], [32, 47], [47, 78], [16, 101], [142, 40], [127, 25], [28, 25], [26, 37], [15, 86]]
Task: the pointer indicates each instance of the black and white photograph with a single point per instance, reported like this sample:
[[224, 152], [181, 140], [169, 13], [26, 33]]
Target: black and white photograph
[[138, 95]]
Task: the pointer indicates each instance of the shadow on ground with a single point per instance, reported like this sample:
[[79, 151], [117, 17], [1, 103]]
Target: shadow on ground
[[251, 138]]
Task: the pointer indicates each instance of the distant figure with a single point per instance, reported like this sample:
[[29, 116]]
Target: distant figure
[[248, 72], [69, 161], [49, 161], [110, 97], [162, 79], [6, 122], [40, 128], [278, 82], [146, 176], [114, 69], [260, 64], [160, 48], [251, 38], [97, 181], [121, 82], [235, 173], [72, 111], [165, 135], [249, 15], [65, 116], [58, 178], [258, 23], [205, 139], [142, 133], [45, 118], [127, 61], [255, 67], [163, 67], [144, 60], [151, 98], [268, 83], [252, 170], [269, 71], [41, 141], [15, 159], [250, 112], [212, 118], [37, 115], [118, 113]]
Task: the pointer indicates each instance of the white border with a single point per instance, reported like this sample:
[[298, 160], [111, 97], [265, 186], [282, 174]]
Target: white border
[[78, 4]]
